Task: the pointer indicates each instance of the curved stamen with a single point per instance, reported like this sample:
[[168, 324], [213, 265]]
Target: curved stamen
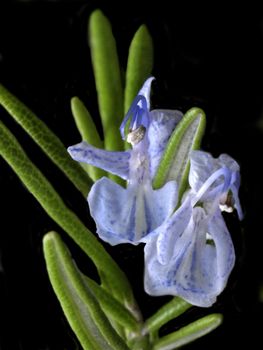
[[225, 172]]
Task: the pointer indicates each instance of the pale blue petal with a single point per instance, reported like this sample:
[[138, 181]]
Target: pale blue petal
[[235, 189], [113, 209], [163, 123], [129, 215], [202, 166], [198, 270], [226, 160], [146, 91], [235, 181], [225, 253], [168, 233], [215, 187], [115, 162], [159, 204]]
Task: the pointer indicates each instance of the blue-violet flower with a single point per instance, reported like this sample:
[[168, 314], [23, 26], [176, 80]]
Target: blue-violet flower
[[128, 215], [191, 254]]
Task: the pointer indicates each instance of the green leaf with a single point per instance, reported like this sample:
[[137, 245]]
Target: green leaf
[[166, 313], [189, 333], [46, 139], [112, 307], [174, 164], [88, 132], [140, 64], [78, 303], [52, 203], [107, 78], [140, 343]]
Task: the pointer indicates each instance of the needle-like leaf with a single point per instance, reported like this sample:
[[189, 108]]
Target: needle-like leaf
[[166, 313], [52, 203], [174, 164], [88, 132], [189, 333], [139, 65], [77, 301], [112, 307], [107, 77], [46, 139]]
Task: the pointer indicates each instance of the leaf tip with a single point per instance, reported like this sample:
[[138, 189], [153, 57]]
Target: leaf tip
[[74, 100], [142, 31], [216, 319], [50, 237], [96, 16], [194, 113]]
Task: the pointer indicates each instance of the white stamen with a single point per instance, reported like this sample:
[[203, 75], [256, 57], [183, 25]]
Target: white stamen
[[208, 236], [136, 135], [226, 208], [227, 203]]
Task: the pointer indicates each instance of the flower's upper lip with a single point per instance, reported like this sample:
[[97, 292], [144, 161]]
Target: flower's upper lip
[[138, 115], [210, 178]]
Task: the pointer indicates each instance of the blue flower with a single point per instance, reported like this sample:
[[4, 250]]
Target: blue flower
[[128, 215], [191, 254]]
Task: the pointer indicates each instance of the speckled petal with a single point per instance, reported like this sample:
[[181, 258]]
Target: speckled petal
[[198, 270], [128, 215], [115, 162], [224, 248], [168, 233]]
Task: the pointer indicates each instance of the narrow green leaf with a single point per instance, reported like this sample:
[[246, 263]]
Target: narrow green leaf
[[73, 307], [140, 64], [52, 203], [140, 343], [88, 132], [166, 313], [46, 139], [175, 161], [107, 77], [189, 333], [66, 278], [85, 123], [112, 307]]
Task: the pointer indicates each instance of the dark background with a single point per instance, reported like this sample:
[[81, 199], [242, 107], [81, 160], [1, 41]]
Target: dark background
[[210, 58]]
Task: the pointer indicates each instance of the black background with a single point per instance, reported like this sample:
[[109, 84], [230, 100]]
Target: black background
[[210, 58]]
